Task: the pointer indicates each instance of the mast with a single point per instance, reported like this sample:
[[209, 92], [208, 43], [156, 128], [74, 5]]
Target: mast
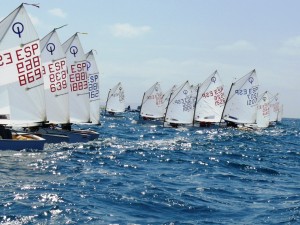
[[107, 101], [195, 104], [142, 105], [226, 103], [167, 109]]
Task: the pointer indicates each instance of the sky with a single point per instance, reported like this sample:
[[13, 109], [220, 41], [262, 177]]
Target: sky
[[140, 42]]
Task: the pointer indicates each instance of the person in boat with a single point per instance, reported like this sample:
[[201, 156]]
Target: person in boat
[[66, 126], [231, 124], [5, 133], [128, 108], [205, 124], [175, 125]]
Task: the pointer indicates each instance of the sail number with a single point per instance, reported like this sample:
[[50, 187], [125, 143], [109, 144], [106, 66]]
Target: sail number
[[78, 77], [251, 93], [218, 95], [94, 86], [265, 109], [27, 62], [57, 75], [157, 97], [187, 103], [29, 70]]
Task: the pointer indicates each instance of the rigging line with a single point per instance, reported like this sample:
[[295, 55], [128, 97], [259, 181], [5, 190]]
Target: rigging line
[[61, 94], [93, 100], [83, 94]]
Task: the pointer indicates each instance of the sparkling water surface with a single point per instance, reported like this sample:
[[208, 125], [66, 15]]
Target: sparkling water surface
[[144, 173]]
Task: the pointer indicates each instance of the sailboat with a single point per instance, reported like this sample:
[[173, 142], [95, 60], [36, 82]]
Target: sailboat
[[115, 102], [280, 113], [79, 100], [210, 101], [60, 87], [275, 108], [21, 82], [152, 103], [94, 88], [241, 104], [180, 109], [56, 89], [262, 113]]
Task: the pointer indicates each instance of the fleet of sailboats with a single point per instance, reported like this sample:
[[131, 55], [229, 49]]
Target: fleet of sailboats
[[46, 86], [206, 104]]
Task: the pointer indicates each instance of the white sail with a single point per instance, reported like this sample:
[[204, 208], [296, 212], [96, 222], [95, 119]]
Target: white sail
[[94, 88], [280, 113], [274, 108], [116, 99], [180, 109], [241, 104], [166, 97], [21, 81], [263, 111], [152, 104], [78, 80], [210, 100], [56, 82]]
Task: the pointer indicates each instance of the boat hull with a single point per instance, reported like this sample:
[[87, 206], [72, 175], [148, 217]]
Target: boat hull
[[61, 135], [28, 141]]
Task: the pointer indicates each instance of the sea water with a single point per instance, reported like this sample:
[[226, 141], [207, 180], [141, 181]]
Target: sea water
[[144, 173]]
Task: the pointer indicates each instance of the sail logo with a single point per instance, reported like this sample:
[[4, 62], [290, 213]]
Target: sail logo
[[18, 28], [251, 80], [50, 48], [88, 65], [74, 50], [213, 79]]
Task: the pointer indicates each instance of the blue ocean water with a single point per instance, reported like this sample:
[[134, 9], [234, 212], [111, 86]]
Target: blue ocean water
[[142, 173]]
